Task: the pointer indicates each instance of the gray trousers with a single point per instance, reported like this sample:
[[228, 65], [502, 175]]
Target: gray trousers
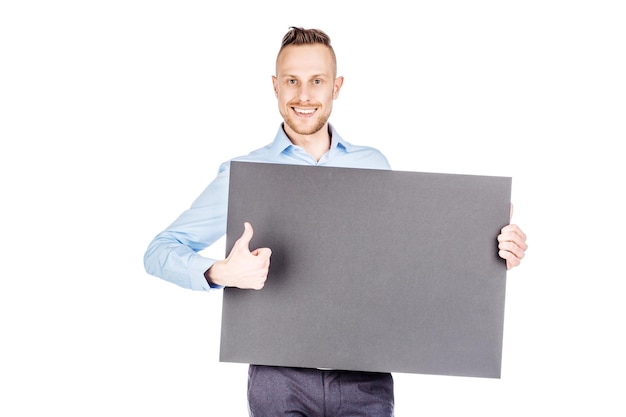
[[303, 392]]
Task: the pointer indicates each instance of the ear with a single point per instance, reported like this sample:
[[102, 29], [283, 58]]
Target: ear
[[337, 87], [275, 84]]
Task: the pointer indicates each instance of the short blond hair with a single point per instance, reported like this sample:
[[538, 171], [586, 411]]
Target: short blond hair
[[300, 36]]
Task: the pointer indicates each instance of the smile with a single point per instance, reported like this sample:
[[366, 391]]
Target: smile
[[304, 112]]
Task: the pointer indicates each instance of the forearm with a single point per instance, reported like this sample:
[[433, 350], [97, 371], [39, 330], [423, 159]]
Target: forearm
[[174, 254], [177, 263]]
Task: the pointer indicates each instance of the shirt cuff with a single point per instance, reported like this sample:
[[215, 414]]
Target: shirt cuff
[[198, 266]]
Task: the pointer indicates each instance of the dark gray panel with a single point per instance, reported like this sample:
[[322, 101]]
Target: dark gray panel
[[371, 270]]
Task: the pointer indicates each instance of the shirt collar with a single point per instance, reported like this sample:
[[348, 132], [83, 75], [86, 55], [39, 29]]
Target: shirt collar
[[282, 142]]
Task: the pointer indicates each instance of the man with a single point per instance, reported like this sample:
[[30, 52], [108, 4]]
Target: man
[[305, 84]]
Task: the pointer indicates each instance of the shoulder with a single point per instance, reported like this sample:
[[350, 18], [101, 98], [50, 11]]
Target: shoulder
[[258, 155], [367, 156], [363, 155]]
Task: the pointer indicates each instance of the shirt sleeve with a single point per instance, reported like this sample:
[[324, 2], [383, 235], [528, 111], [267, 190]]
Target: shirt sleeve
[[173, 254]]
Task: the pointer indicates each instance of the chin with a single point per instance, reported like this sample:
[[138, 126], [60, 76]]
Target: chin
[[310, 128]]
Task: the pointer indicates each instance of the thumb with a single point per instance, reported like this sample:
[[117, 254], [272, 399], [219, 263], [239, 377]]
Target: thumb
[[246, 237]]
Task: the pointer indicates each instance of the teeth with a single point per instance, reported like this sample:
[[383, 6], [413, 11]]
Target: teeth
[[307, 111]]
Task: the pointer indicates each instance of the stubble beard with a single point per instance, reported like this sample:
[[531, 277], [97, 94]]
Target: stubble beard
[[304, 130]]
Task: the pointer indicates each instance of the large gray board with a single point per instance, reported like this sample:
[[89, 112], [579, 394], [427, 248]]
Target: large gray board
[[371, 270]]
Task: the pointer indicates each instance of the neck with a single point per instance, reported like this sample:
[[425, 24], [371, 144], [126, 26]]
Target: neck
[[315, 144]]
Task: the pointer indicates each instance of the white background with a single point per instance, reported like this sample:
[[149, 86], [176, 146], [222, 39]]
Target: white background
[[115, 115]]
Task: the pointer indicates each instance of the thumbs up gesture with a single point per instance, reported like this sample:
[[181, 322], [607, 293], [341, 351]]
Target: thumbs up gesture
[[242, 268]]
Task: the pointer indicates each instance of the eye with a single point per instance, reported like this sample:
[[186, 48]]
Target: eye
[[317, 81], [291, 81]]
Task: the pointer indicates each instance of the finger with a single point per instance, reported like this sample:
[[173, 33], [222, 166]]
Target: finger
[[512, 233], [510, 257], [262, 252], [263, 257], [506, 248], [511, 260], [510, 228]]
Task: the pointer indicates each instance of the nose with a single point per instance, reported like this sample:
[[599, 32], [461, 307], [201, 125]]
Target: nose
[[304, 93]]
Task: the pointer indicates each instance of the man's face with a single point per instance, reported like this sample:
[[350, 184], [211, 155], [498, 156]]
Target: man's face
[[305, 86]]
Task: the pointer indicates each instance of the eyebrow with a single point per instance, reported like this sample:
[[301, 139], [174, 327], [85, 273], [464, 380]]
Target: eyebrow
[[312, 76]]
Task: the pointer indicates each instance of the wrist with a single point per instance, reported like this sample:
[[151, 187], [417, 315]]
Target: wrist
[[210, 277]]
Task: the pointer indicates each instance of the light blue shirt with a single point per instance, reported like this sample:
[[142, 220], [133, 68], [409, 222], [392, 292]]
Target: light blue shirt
[[173, 253]]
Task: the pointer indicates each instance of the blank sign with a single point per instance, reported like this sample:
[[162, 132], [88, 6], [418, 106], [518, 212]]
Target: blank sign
[[371, 270]]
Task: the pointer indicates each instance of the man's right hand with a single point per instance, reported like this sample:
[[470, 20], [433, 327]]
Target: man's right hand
[[242, 268]]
